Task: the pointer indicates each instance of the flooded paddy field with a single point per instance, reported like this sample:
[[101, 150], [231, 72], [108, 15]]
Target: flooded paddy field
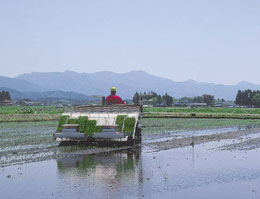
[[207, 160]]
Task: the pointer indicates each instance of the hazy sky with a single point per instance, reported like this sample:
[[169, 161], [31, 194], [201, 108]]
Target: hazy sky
[[205, 40]]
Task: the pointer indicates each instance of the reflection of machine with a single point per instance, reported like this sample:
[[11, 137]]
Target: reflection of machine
[[103, 175], [101, 124], [120, 161]]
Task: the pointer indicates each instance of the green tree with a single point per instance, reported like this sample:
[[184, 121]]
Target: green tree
[[208, 99], [169, 101], [136, 98], [256, 100], [198, 99], [238, 100], [4, 95], [1, 97], [159, 99], [7, 95]]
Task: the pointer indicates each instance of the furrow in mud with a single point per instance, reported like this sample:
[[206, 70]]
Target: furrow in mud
[[194, 140]]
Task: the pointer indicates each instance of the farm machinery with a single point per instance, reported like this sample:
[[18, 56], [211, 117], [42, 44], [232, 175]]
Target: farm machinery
[[100, 125]]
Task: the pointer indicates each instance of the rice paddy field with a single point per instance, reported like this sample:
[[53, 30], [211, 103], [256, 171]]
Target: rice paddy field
[[30, 141], [29, 113], [156, 125], [49, 113], [4, 110], [203, 112], [187, 158]]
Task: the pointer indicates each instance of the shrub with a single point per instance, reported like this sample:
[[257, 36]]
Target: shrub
[[82, 123], [62, 121], [119, 121]]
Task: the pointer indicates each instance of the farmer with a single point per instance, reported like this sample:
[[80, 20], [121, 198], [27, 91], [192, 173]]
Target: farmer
[[113, 98]]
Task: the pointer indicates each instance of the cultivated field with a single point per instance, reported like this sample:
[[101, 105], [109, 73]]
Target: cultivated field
[[31, 113], [204, 112], [185, 155], [186, 124], [4, 110]]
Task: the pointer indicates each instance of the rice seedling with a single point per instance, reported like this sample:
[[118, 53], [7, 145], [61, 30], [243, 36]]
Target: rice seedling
[[119, 121], [62, 121], [91, 127], [129, 125], [82, 123]]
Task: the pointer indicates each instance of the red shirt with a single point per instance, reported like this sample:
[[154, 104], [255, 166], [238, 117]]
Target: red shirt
[[114, 99]]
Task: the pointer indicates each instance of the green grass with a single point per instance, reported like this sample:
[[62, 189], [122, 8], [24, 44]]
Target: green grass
[[155, 125]]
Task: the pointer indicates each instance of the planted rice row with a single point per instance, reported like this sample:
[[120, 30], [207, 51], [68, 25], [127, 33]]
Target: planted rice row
[[204, 110], [85, 125], [125, 124]]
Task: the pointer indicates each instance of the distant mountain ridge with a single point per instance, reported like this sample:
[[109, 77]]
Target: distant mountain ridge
[[18, 84], [128, 83], [55, 95]]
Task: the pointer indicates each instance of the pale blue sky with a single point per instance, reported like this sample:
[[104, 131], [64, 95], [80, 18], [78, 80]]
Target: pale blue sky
[[205, 40]]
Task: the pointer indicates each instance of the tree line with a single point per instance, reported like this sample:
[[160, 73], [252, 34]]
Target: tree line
[[167, 100], [4, 95], [248, 98], [154, 98], [206, 98]]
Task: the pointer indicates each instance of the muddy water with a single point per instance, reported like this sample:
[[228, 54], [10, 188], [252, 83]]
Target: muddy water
[[211, 163], [202, 171]]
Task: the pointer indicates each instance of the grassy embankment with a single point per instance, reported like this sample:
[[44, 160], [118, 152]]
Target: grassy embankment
[[205, 112], [32, 113]]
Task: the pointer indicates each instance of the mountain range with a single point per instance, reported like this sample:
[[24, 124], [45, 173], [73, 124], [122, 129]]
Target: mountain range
[[75, 84], [55, 95]]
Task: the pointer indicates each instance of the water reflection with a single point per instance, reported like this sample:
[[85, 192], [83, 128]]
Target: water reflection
[[123, 161], [188, 172], [112, 165], [108, 173]]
